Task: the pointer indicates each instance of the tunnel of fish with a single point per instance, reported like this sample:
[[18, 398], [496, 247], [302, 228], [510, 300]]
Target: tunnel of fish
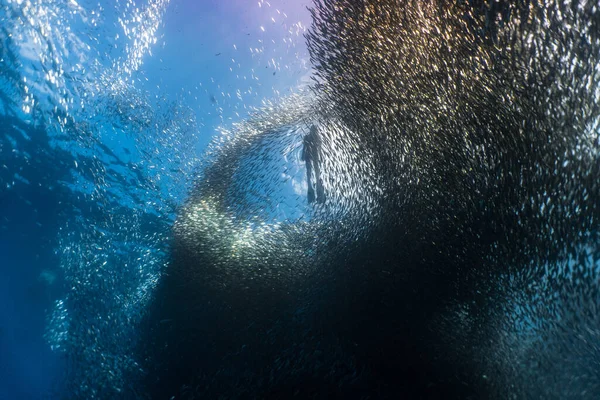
[[454, 252]]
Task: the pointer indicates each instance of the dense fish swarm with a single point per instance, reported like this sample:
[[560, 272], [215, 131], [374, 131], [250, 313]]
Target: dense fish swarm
[[456, 253]]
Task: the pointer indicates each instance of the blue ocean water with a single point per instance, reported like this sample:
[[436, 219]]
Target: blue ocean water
[[110, 112], [105, 111]]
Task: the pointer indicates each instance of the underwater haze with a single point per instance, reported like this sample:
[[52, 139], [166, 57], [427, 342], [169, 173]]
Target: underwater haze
[[286, 199]]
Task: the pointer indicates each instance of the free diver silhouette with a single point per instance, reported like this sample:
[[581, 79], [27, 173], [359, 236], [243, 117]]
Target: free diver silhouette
[[311, 148]]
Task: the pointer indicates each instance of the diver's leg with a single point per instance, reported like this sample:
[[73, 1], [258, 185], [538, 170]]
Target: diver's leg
[[311, 191], [320, 191], [319, 183]]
